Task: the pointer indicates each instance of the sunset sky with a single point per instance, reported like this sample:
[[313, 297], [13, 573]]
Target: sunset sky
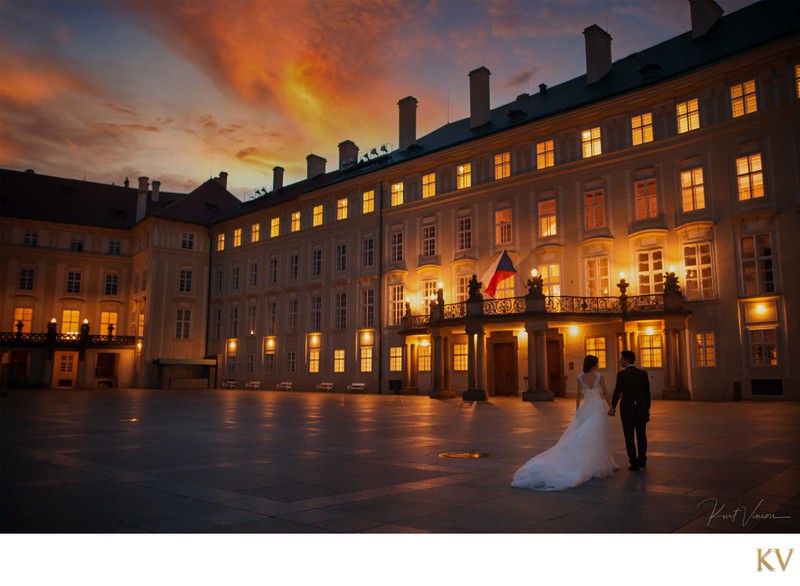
[[180, 90]]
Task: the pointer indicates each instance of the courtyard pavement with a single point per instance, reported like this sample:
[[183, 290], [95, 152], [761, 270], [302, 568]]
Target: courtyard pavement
[[237, 461]]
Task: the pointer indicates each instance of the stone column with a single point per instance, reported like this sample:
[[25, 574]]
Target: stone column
[[669, 353], [481, 366], [475, 359], [534, 391]]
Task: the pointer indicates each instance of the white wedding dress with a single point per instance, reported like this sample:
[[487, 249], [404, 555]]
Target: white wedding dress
[[583, 452]]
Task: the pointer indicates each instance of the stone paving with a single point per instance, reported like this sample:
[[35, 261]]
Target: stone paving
[[236, 461]]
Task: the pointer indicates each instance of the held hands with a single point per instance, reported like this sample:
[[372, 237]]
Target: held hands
[[611, 412]]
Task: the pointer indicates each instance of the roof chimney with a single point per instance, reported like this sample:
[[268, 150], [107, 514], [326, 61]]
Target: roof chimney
[[348, 154], [141, 199], [408, 122], [479, 97], [156, 190], [598, 53], [705, 13], [277, 178], [315, 165], [222, 179]]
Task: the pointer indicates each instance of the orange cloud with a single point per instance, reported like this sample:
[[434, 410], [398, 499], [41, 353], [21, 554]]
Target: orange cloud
[[28, 79]]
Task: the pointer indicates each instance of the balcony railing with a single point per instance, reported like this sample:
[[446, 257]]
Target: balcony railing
[[72, 339], [504, 306]]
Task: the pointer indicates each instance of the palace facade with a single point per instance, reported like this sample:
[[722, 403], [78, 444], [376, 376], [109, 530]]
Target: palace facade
[[651, 204]]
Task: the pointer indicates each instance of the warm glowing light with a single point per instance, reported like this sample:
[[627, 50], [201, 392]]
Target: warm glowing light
[[649, 331], [534, 273], [761, 309], [314, 340], [270, 343], [232, 346], [522, 335], [440, 285], [425, 343], [408, 299], [622, 276], [53, 320], [85, 320], [574, 330], [366, 338], [671, 268], [138, 346]]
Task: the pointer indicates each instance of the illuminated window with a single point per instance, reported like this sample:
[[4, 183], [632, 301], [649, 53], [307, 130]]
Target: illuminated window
[[502, 226], [645, 199], [429, 185], [699, 278], [313, 360], [705, 354], [220, 241], [397, 304], [237, 237], [397, 194], [464, 176], [368, 202], [255, 232], [763, 347], [274, 227], [424, 358], [366, 359], [183, 323], [464, 233], [26, 278], [462, 288], [429, 240], [74, 282], [597, 278], [597, 347], [693, 190], [750, 177], [341, 209], [185, 281], [338, 361], [396, 359], [650, 350], [428, 292], [502, 166], [688, 116], [340, 311], [317, 216], [396, 246], [642, 129], [590, 142], [757, 273], [650, 271], [545, 154], [594, 209], [551, 279], [743, 99], [24, 315], [460, 357], [548, 225], [107, 318], [505, 289], [69, 321], [295, 221], [316, 262], [316, 313]]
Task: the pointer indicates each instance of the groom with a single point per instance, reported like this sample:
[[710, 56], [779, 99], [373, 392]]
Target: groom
[[633, 385]]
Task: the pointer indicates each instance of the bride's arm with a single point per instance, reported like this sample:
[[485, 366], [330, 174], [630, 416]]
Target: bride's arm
[[605, 392]]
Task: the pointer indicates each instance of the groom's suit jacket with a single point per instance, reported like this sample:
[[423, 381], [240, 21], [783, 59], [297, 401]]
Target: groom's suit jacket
[[632, 391]]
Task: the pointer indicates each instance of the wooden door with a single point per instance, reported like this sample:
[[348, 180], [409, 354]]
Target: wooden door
[[505, 369], [555, 368]]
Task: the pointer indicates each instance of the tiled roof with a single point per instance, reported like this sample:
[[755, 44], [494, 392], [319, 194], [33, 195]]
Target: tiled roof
[[54, 199]]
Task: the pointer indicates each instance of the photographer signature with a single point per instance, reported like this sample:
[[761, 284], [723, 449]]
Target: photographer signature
[[719, 512]]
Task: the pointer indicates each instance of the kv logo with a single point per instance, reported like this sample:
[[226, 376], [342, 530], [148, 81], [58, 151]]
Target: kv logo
[[764, 559]]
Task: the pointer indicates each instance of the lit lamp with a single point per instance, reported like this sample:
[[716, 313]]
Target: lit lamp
[[440, 293], [623, 284], [85, 327], [408, 307], [535, 284]]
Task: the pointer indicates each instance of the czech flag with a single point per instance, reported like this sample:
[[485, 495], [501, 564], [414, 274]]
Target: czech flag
[[500, 270]]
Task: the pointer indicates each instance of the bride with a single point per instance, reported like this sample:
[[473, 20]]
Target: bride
[[584, 451]]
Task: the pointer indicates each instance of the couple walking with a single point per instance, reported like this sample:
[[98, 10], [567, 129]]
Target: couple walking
[[584, 450]]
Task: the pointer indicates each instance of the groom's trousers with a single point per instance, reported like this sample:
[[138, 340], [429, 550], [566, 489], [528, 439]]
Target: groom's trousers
[[633, 428]]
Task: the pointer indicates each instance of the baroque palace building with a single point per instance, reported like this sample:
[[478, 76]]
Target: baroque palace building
[[651, 204]]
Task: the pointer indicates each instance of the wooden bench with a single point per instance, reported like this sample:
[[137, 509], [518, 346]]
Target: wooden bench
[[229, 383], [285, 386], [327, 387], [356, 387], [253, 384]]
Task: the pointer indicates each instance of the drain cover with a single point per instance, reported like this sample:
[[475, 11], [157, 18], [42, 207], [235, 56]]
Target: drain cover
[[463, 455]]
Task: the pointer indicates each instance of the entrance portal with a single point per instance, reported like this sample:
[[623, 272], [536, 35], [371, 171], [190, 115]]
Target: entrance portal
[[505, 368]]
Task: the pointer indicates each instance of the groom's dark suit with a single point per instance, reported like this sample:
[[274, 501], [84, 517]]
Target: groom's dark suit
[[633, 387]]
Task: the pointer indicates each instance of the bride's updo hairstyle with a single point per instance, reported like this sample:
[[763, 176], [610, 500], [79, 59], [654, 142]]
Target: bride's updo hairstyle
[[590, 362]]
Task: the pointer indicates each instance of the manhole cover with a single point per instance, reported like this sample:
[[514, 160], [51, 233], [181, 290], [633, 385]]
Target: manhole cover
[[463, 455]]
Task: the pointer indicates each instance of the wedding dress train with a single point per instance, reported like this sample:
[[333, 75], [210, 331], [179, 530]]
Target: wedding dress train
[[582, 452]]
